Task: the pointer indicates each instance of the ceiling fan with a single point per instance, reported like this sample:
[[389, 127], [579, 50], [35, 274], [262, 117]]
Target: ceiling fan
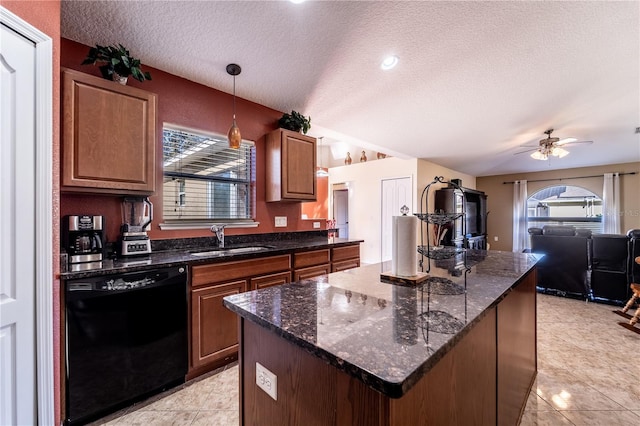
[[551, 147]]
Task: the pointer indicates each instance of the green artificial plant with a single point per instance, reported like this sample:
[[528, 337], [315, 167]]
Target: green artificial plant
[[295, 121], [117, 61]]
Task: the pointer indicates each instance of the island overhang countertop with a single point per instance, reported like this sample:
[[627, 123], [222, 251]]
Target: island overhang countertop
[[386, 335]]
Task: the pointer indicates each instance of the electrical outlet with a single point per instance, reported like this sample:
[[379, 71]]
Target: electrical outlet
[[281, 221], [495, 238], [316, 225], [267, 381]]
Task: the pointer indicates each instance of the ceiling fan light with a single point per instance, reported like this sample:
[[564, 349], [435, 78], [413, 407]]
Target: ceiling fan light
[[559, 152], [538, 155]]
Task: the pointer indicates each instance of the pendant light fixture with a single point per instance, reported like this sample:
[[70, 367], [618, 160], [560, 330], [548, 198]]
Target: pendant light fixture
[[234, 132], [321, 171]]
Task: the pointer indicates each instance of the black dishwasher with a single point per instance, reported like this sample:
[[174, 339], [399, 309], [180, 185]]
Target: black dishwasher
[[126, 338]]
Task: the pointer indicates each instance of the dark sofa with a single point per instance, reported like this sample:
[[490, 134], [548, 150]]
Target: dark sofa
[[565, 266], [576, 263]]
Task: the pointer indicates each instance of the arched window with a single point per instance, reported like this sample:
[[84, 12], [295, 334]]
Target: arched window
[[565, 205]]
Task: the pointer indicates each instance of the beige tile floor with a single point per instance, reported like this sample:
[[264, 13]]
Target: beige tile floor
[[588, 366], [585, 377]]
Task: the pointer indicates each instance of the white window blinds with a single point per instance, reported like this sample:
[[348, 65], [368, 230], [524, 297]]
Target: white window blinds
[[204, 179]]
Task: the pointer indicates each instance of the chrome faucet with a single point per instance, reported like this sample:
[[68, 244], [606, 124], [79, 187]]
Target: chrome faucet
[[219, 231]]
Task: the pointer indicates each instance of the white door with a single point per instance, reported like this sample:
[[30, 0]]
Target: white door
[[17, 223], [341, 212], [395, 194]]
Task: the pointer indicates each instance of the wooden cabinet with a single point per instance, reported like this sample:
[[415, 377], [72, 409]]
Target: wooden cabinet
[[310, 272], [474, 206], [311, 258], [214, 328], [236, 269], [270, 280], [108, 136], [346, 257], [311, 264], [517, 349], [290, 166], [214, 333], [484, 378]]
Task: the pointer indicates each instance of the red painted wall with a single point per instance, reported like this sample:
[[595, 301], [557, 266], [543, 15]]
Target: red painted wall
[[320, 208], [45, 16], [189, 104]]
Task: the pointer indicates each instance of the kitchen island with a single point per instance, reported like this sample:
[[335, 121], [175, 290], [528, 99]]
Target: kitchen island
[[348, 348]]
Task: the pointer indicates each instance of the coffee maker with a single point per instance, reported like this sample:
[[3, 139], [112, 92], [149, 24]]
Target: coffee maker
[[83, 238], [137, 214]]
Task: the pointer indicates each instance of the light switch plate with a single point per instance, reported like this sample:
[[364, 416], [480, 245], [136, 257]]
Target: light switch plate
[[316, 225], [281, 221], [267, 381]]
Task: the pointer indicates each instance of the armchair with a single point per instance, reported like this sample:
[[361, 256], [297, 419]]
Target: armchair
[[564, 268], [609, 264], [634, 252]]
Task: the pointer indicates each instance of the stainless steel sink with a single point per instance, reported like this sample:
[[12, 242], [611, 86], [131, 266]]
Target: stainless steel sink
[[222, 252], [208, 253], [246, 249]]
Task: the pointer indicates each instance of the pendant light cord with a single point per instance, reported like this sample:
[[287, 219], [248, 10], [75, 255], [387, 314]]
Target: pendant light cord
[[234, 98]]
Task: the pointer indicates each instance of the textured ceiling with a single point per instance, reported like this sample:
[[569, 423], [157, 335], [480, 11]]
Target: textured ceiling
[[475, 81]]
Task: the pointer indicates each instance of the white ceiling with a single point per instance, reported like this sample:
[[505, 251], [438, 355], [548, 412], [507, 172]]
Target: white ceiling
[[475, 79]]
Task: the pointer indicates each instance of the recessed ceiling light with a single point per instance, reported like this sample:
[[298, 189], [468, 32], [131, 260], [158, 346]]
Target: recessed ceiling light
[[389, 62], [296, 1]]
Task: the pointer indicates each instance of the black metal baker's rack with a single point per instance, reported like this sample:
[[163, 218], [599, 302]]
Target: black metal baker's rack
[[438, 218]]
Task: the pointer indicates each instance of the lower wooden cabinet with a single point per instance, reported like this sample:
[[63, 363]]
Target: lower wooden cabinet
[[270, 280], [309, 264], [214, 331], [344, 265], [214, 328], [310, 272], [346, 257]]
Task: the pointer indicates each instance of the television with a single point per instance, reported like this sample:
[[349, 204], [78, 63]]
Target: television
[[471, 217]]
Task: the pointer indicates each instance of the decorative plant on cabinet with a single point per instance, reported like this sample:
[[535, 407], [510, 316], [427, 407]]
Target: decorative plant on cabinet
[[118, 63]]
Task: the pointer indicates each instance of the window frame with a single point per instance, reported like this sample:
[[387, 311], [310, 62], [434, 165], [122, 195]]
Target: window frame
[[539, 221], [180, 192]]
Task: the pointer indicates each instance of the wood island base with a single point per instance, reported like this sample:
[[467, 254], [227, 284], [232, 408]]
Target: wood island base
[[484, 379]]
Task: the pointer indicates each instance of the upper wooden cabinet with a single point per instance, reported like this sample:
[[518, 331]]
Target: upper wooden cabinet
[[108, 136], [291, 166]]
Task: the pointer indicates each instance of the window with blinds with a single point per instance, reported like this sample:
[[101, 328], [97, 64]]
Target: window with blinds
[[204, 179]]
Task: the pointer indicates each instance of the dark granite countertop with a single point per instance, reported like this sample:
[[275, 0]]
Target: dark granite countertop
[[168, 253], [388, 336]]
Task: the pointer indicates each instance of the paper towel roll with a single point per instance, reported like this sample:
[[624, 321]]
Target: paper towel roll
[[404, 260]]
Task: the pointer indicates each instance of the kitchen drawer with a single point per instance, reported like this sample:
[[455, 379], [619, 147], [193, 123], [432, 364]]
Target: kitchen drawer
[[226, 271], [270, 280], [311, 258], [344, 265], [346, 252], [310, 272]]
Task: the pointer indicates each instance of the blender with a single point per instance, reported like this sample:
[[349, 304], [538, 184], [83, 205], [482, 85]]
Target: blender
[[137, 214]]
